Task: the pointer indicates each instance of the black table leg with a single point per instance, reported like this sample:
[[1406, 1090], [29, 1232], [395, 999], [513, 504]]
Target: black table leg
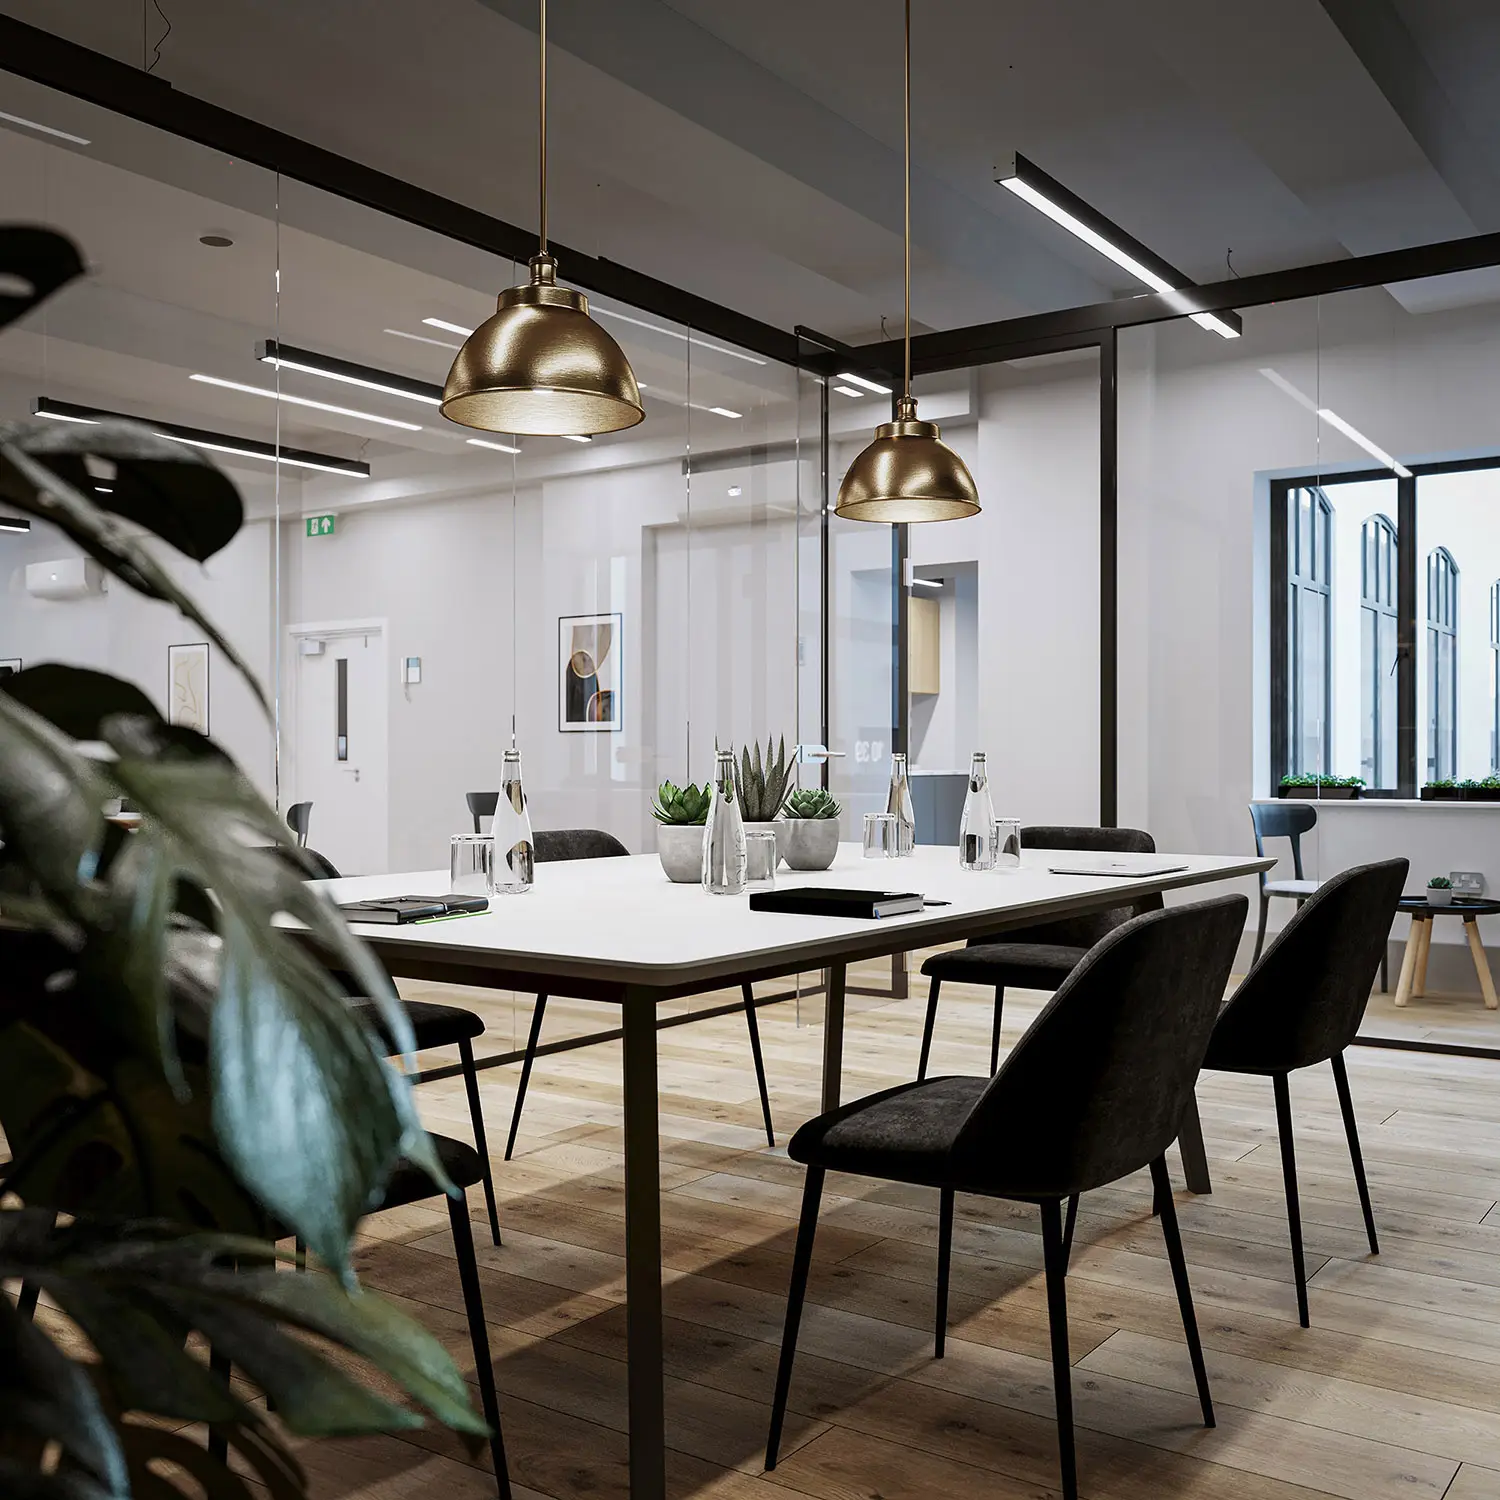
[[1190, 1143], [833, 1036], [643, 1310]]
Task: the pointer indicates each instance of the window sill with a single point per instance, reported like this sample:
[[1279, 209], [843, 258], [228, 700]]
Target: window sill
[[1407, 804]]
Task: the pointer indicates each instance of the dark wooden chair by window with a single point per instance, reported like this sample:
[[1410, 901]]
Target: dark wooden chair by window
[[1092, 1093], [592, 843], [1302, 1004]]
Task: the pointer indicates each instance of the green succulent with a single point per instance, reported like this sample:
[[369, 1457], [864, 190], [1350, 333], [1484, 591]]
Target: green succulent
[[685, 805], [1491, 783], [1439, 883], [812, 802], [1302, 780], [762, 786], [1443, 781], [1468, 784]]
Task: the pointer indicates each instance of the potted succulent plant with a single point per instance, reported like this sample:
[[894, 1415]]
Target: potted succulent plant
[[1446, 789], [681, 812], [812, 829], [763, 788], [1487, 790], [1439, 891], [1322, 788]]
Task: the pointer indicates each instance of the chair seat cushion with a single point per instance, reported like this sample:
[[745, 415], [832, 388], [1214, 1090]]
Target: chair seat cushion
[[1027, 966], [1292, 887], [905, 1133], [433, 1025], [410, 1184]]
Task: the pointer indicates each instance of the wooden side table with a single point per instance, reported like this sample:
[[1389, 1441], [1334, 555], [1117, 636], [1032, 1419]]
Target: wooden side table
[[1413, 979]]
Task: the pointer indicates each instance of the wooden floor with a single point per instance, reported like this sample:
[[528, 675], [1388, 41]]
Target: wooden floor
[[1394, 1393]]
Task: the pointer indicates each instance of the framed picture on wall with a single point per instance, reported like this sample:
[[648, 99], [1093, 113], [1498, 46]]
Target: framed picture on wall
[[9, 665], [187, 686], [590, 678]]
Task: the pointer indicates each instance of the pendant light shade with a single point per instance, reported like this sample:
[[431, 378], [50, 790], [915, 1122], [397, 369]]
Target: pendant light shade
[[541, 365], [907, 472]]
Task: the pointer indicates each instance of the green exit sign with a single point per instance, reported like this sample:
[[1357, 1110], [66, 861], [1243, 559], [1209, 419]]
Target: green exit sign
[[320, 525]]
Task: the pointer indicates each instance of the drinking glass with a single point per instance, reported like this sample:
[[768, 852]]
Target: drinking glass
[[882, 836], [760, 861], [470, 864], [1007, 843]]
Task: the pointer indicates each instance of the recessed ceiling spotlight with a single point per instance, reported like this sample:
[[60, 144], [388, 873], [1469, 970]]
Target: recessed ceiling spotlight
[[215, 240], [575, 437], [485, 443], [848, 390], [735, 491], [62, 135]]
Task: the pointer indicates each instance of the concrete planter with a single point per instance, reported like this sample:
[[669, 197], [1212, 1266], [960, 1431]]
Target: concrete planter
[[1439, 897], [811, 843], [680, 846]]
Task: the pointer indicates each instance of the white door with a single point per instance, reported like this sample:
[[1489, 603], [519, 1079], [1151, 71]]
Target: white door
[[338, 741]]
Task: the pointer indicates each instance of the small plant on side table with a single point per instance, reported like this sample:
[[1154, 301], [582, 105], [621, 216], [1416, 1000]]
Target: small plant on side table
[[1439, 891], [812, 838], [681, 812]]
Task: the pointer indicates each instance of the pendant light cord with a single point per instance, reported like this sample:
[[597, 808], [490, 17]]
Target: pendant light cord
[[907, 60], [543, 73]]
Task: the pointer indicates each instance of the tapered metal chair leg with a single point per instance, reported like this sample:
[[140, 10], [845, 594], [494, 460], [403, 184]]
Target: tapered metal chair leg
[[760, 1067], [537, 1012], [1173, 1236], [484, 1369], [26, 1302], [945, 1265], [1062, 1367], [1346, 1104], [1069, 1224], [1293, 1207], [995, 1030], [1260, 931], [927, 1025], [476, 1118], [218, 1443], [812, 1193]]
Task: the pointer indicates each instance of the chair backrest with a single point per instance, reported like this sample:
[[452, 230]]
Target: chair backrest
[[554, 845], [308, 863], [1097, 1087], [1282, 820], [298, 819], [1085, 930], [481, 805], [1303, 1002]]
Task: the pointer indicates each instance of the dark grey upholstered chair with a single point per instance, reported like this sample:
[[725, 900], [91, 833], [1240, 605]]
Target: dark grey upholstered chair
[[592, 843], [1092, 1092], [1302, 1005], [299, 819], [433, 1025], [1040, 957], [481, 805]]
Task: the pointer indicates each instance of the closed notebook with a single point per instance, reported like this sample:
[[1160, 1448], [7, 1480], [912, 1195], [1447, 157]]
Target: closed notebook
[[836, 901], [402, 909]]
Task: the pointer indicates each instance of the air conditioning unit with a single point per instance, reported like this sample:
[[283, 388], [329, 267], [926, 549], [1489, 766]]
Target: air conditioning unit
[[68, 578]]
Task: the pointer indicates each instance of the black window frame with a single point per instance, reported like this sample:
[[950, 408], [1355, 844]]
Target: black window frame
[[1379, 542], [1440, 717]]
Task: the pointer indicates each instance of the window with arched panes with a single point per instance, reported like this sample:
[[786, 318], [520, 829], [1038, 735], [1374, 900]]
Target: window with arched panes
[[1442, 665], [1377, 651], [1309, 633]]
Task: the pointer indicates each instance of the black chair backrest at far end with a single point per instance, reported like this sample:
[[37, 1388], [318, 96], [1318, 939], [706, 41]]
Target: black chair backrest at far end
[[1282, 820], [1085, 930], [1098, 1085], [481, 805], [299, 820], [554, 845], [308, 863], [1303, 1002]]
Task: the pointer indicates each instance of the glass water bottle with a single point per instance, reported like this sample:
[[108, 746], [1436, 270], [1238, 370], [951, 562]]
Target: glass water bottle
[[724, 835], [515, 854], [898, 804], [976, 832]]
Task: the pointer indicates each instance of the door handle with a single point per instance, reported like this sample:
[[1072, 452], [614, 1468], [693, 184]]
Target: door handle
[[351, 771], [815, 753]]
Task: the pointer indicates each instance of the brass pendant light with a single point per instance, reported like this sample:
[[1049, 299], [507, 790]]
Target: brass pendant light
[[907, 473], [541, 365]]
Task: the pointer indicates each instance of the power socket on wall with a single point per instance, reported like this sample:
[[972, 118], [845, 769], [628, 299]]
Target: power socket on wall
[[1467, 882]]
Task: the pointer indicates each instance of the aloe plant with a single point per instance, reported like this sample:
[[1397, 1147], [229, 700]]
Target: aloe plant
[[762, 785], [682, 806], [812, 802]]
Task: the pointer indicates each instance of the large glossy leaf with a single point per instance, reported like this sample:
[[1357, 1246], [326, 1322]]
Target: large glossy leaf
[[29, 485], [76, 700], [34, 263], [170, 489]]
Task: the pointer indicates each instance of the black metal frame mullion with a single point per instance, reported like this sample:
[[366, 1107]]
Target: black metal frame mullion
[[1109, 579], [1280, 632], [1406, 636]]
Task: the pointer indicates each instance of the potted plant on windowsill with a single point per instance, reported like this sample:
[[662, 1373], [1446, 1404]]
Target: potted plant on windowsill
[[681, 813], [812, 829], [1487, 790], [763, 788], [1321, 788], [1443, 790], [1439, 891]]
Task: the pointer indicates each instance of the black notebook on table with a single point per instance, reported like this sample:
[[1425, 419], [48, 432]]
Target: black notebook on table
[[836, 901], [394, 909]]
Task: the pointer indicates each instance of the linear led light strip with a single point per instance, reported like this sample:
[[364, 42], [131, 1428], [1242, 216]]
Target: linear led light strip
[[213, 442], [340, 411], [1327, 414], [288, 357], [52, 130], [718, 411], [1032, 185], [605, 312]]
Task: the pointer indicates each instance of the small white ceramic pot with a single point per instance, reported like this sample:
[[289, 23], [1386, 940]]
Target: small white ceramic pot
[[779, 827], [680, 846], [1439, 897], [811, 843]]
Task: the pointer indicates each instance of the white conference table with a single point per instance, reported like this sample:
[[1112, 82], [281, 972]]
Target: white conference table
[[617, 931]]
